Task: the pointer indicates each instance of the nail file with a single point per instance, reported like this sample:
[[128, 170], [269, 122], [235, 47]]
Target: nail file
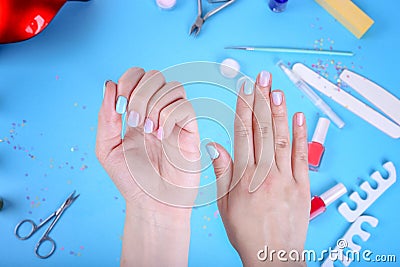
[[374, 93], [372, 194], [347, 241], [348, 101]]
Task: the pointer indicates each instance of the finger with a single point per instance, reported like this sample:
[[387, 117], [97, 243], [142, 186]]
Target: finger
[[151, 82], [178, 114], [109, 123], [263, 136], [262, 120], [243, 126], [126, 84], [281, 131], [168, 94], [222, 163], [300, 149]]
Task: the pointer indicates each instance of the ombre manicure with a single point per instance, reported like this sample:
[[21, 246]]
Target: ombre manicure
[[120, 108], [148, 126], [212, 151], [133, 119], [264, 78], [277, 98]]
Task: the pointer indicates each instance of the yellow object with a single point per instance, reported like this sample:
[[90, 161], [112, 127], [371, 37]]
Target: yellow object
[[350, 15]]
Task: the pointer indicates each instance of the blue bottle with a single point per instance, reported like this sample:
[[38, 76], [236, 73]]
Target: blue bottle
[[278, 5]]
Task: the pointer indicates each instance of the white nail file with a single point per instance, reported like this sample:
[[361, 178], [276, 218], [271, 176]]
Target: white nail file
[[347, 241], [374, 93], [348, 101], [372, 194]]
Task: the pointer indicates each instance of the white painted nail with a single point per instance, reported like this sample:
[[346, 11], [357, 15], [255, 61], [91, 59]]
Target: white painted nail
[[148, 126], [212, 151], [133, 119], [277, 98]]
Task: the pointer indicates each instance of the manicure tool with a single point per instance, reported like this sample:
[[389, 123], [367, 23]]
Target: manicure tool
[[196, 27], [292, 50], [372, 194], [45, 237], [315, 99], [379, 97], [347, 241]]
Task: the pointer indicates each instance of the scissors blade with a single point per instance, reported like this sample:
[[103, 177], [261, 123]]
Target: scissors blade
[[68, 202]]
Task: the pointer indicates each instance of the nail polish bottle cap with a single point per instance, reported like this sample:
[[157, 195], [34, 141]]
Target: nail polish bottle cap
[[333, 194], [321, 130]]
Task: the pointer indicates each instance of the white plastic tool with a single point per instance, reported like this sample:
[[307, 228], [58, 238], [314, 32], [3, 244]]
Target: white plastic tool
[[372, 194], [347, 241], [371, 91], [353, 104]]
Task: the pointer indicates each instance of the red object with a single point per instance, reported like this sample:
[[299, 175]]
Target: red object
[[317, 207], [23, 19], [316, 148], [319, 203], [315, 153]]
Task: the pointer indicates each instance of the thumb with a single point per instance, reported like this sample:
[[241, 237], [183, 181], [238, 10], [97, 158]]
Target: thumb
[[223, 164]]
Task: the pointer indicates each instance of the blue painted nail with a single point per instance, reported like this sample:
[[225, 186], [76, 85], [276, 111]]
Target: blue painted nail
[[121, 105], [212, 151]]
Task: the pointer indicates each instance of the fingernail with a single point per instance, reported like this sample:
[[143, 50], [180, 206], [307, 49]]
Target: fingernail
[[133, 119], [248, 88], [277, 98], [160, 133], [104, 87], [264, 78], [300, 119], [148, 126], [121, 105], [212, 151]]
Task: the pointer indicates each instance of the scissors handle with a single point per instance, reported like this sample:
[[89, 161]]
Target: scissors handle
[[34, 228], [44, 239]]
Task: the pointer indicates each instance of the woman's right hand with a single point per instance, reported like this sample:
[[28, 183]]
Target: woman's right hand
[[276, 214]]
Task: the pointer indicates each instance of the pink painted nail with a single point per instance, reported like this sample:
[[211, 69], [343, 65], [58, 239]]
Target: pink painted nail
[[300, 119], [160, 133], [264, 78]]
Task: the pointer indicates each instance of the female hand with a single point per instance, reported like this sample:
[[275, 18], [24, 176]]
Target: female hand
[[265, 196], [161, 135]]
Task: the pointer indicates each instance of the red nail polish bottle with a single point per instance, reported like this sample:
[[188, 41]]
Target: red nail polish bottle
[[319, 203], [316, 147]]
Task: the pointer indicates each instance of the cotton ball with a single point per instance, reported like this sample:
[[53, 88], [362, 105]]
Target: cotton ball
[[229, 68], [166, 4]]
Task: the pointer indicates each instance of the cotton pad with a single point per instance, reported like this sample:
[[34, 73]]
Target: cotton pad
[[229, 68], [166, 4]]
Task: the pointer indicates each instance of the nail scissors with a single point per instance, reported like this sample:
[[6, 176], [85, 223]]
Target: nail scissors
[[56, 215], [196, 27]]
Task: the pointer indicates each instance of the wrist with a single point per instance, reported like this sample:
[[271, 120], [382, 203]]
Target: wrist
[[155, 237]]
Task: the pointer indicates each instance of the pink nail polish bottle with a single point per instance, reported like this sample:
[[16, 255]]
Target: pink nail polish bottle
[[316, 147]]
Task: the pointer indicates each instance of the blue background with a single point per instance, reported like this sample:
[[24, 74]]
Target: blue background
[[51, 91]]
